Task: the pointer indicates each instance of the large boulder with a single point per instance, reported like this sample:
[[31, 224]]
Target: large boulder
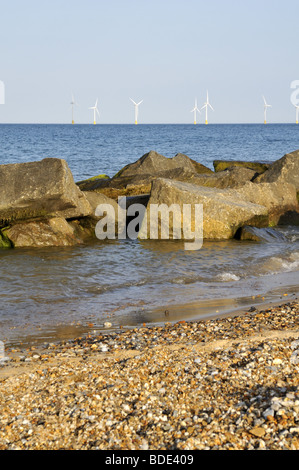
[[285, 170], [149, 167], [223, 212], [154, 164], [39, 189], [48, 232]]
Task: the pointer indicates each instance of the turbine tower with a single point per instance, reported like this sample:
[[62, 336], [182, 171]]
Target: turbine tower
[[95, 112], [297, 113], [266, 106], [206, 106], [73, 102], [194, 110], [136, 105]]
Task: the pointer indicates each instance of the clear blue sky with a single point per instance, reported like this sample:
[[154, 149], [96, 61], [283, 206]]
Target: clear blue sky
[[166, 52]]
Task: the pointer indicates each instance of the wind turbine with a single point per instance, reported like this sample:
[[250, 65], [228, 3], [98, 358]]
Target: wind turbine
[[95, 112], [297, 113], [136, 109], [73, 102], [194, 110], [206, 106], [266, 106]]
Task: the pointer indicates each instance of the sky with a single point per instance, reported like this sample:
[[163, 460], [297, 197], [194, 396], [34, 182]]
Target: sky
[[164, 52]]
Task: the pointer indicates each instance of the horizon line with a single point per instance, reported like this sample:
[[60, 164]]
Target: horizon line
[[146, 124]]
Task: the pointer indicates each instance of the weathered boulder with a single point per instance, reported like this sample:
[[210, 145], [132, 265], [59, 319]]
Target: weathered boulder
[[148, 168], [49, 232], [280, 199], [221, 165], [39, 189], [285, 170], [136, 178], [223, 212], [154, 164]]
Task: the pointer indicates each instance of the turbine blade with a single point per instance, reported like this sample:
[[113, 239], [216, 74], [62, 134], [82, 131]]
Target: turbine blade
[[133, 101]]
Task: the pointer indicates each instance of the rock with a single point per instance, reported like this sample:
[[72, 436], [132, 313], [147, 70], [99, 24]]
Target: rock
[[153, 164], [285, 170], [82, 209], [232, 177], [221, 165], [224, 211], [260, 234], [46, 232], [39, 189], [93, 183], [294, 359], [126, 190], [113, 219], [96, 199], [279, 198], [258, 432]]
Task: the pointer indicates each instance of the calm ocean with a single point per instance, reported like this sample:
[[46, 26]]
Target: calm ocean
[[50, 294]]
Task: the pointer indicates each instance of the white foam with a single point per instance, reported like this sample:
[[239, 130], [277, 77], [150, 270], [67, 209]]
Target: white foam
[[290, 264], [227, 277]]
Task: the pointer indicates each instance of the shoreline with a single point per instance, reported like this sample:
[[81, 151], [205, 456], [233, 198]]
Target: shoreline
[[226, 383], [169, 313]]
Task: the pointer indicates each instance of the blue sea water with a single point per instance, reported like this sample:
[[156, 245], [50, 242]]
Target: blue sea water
[[48, 294], [90, 150]]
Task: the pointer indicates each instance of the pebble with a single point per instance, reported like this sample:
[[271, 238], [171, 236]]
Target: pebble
[[223, 384]]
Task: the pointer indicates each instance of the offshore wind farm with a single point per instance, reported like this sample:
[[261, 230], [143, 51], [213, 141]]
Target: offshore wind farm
[[195, 110]]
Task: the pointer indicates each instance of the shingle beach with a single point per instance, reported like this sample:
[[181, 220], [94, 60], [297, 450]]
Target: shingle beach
[[223, 384]]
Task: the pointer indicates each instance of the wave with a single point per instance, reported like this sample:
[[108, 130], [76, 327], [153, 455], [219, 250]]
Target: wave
[[276, 265], [228, 277]]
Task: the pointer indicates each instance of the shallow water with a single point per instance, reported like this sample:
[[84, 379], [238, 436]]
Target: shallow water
[[54, 293]]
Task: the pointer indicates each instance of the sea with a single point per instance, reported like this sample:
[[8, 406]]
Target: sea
[[55, 294]]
